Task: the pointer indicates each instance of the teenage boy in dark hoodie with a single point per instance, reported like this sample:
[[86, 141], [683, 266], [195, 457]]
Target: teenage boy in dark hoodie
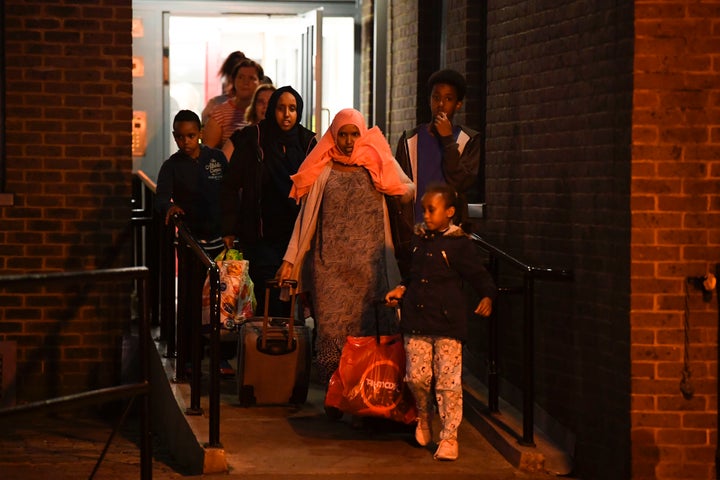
[[437, 151]]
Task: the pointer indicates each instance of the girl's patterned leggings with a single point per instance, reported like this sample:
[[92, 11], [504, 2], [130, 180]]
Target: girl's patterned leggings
[[441, 357]]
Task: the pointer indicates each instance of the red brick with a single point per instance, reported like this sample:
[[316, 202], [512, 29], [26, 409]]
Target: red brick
[[38, 175], [678, 403], [678, 436], [700, 420], [661, 353], [643, 369], [642, 403], [657, 319], [656, 420], [654, 220], [682, 237]]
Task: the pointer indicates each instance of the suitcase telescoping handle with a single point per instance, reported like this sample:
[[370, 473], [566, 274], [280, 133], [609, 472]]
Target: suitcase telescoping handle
[[292, 284]]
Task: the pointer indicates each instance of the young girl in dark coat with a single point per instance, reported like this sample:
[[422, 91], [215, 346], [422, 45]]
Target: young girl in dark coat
[[434, 316]]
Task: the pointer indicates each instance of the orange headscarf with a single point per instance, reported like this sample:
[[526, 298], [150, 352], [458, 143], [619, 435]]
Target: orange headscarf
[[371, 151]]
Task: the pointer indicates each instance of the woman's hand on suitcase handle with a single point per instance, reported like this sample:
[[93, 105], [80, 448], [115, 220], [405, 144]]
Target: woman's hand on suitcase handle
[[393, 296], [284, 272]]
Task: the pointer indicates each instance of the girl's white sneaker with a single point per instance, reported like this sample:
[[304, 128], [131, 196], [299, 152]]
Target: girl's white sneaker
[[423, 434], [447, 450]]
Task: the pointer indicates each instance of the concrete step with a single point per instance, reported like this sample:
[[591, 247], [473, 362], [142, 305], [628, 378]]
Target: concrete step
[[504, 432]]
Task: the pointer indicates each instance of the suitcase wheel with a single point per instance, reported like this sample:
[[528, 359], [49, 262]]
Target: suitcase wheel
[[247, 396], [299, 395]]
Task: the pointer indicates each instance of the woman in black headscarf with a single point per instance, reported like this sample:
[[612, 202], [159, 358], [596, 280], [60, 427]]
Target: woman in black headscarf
[[257, 212]]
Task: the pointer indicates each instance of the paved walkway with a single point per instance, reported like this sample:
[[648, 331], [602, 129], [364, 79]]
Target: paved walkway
[[67, 446], [270, 443], [282, 442], [279, 443], [300, 445]]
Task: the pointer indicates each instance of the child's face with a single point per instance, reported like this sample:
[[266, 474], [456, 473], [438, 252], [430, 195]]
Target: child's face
[[436, 214], [261, 103], [286, 111], [246, 81], [346, 138], [187, 137], [443, 98]]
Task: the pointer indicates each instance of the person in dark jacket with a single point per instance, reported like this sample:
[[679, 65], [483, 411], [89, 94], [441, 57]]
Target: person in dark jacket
[[434, 319], [438, 151], [257, 211], [188, 185]]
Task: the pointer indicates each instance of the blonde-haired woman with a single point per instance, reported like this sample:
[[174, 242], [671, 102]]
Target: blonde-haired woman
[[253, 114]]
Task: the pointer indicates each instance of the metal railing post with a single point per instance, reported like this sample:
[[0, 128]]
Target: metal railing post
[[174, 317], [528, 358], [214, 393], [152, 259], [530, 274], [493, 350], [190, 247], [144, 339], [181, 337], [195, 338], [145, 234], [167, 288]]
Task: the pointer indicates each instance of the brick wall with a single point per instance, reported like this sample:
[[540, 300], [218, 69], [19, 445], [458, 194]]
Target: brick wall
[[68, 164], [465, 52], [415, 39], [403, 68], [602, 157], [675, 234], [366, 56], [558, 167]]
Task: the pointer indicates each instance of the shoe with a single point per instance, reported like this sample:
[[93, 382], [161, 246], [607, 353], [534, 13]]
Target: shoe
[[423, 434], [357, 422], [447, 450], [333, 413]]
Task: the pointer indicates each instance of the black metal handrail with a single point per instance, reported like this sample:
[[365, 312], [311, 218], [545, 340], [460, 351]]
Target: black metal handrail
[[98, 396], [527, 289], [162, 238], [146, 249], [186, 237], [153, 248]]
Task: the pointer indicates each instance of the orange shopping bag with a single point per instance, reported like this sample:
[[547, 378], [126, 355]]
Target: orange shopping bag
[[370, 380]]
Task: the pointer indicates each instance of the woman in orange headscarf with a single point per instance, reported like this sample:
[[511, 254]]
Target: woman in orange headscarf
[[341, 249]]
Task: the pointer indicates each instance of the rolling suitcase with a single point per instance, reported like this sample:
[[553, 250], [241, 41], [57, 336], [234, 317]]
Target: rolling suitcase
[[274, 356]]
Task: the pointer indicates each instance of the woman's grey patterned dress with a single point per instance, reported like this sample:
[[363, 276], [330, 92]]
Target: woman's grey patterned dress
[[347, 266]]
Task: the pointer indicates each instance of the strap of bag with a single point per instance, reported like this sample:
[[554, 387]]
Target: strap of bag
[[380, 304]]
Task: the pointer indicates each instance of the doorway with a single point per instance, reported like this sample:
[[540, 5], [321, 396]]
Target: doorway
[[182, 51], [198, 47]]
